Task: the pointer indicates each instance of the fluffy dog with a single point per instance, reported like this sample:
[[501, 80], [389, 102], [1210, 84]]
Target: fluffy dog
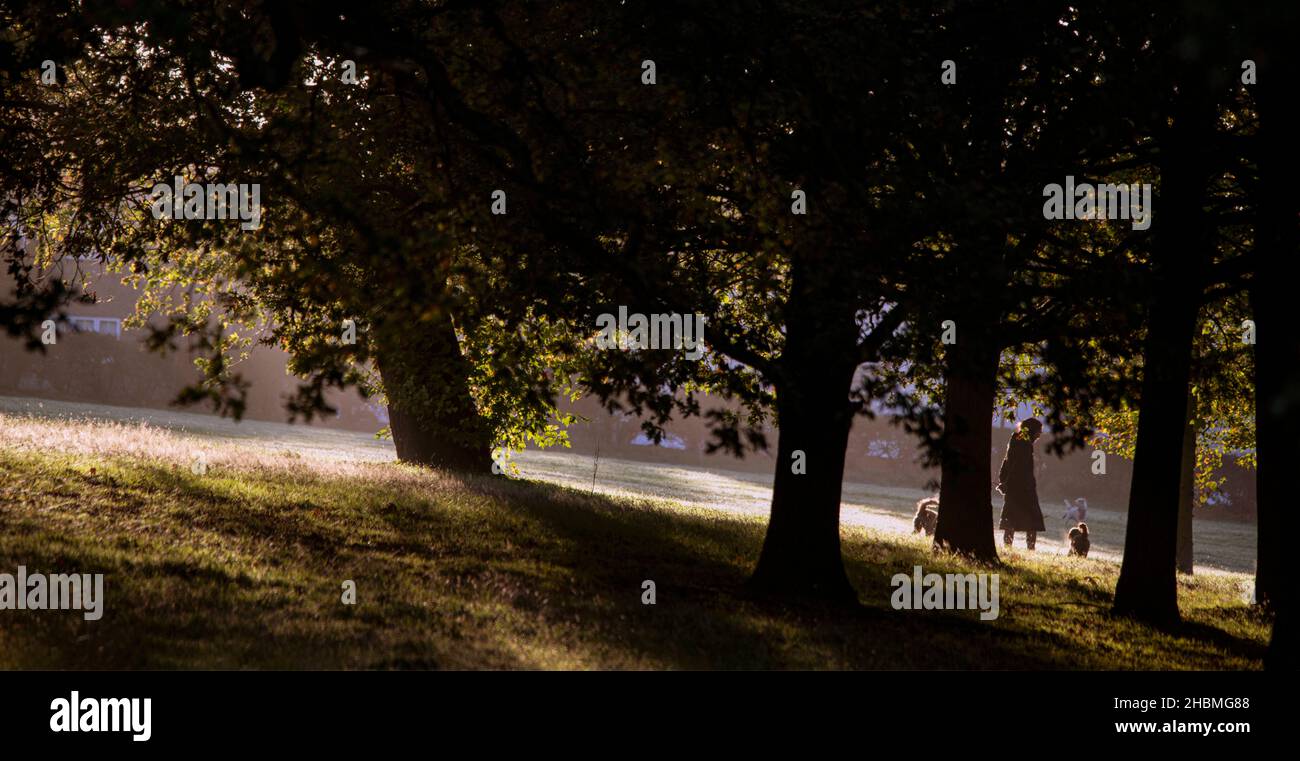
[[1076, 512], [927, 516], [1079, 543]]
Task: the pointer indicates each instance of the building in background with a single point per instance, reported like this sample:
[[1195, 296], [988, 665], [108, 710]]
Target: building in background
[[97, 359]]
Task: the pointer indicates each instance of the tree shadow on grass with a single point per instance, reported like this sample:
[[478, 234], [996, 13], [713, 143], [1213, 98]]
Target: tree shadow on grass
[[195, 578], [493, 574], [704, 618], [1214, 637]]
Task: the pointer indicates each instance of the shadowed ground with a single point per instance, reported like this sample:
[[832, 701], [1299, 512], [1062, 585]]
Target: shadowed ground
[[242, 566]]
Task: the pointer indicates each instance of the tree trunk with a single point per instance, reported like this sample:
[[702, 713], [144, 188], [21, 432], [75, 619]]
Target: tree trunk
[[801, 552], [1277, 374], [1147, 587], [1274, 434], [965, 494], [432, 415], [1187, 493]]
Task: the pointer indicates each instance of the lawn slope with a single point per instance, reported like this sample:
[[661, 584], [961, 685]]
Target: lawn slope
[[242, 565]]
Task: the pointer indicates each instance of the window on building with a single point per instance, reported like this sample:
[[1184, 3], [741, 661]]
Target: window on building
[[108, 326]]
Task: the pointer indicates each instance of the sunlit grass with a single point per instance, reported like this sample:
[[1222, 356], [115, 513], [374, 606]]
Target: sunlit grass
[[242, 566]]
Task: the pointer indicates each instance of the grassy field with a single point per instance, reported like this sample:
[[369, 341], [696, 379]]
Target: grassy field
[[242, 566], [1220, 545]]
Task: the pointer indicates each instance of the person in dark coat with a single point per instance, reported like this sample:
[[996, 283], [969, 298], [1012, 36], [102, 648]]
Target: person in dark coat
[[1021, 511]]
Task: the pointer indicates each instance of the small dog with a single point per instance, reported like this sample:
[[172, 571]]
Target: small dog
[[1079, 543], [927, 516], [1076, 512]]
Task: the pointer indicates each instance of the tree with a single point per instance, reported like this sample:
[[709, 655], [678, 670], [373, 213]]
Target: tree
[[1190, 156], [1003, 277], [1277, 378], [315, 147], [585, 180], [1220, 418]]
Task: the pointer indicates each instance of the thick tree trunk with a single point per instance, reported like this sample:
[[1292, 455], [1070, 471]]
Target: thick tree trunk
[[1277, 415], [1147, 587], [965, 495], [1277, 373], [801, 552], [1187, 495], [432, 414]]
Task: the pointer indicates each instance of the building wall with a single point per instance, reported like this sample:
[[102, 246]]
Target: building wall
[[98, 360]]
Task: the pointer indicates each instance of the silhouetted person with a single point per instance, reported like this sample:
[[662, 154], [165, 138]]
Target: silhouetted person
[[1020, 511]]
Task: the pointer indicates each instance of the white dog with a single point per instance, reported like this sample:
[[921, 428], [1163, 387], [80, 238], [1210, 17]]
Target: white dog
[[1077, 512]]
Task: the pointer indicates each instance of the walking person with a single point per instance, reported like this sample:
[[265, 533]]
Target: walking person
[[1016, 482]]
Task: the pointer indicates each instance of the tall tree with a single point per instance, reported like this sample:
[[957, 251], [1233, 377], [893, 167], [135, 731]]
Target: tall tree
[[1003, 276], [1277, 375], [1184, 246]]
